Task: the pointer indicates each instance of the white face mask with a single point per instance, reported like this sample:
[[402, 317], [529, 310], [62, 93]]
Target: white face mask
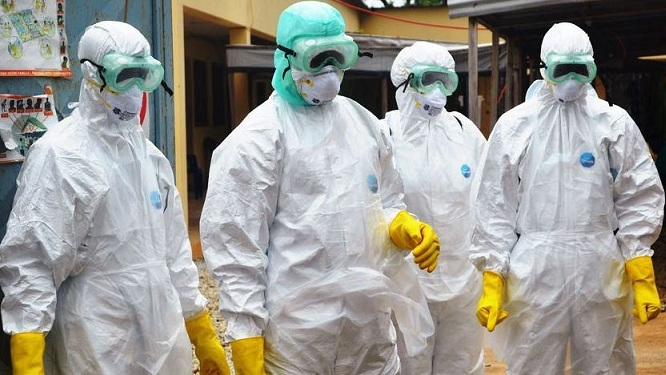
[[123, 106], [568, 91], [318, 88], [430, 105]]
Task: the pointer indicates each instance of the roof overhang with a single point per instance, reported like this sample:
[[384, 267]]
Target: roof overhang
[[471, 8], [620, 30]]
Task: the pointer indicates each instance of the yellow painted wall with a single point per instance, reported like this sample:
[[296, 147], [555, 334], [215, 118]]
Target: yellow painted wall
[[456, 30], [265, 15], [260, 16], [236, 12]]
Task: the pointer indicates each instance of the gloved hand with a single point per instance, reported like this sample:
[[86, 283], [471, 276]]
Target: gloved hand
[[410, 234], [489, 309], [209, 351], [646, 298], [248, 356], [27, 351]]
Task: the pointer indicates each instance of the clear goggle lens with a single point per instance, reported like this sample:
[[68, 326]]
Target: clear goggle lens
[[313, 54], [580, 68], [122, 72], [429, 78]]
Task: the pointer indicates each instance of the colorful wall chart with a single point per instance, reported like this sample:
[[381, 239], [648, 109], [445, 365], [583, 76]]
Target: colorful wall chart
[[32, 38]]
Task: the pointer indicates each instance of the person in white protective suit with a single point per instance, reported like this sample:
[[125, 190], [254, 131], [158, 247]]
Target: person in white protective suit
[[569, 203], [301, 214], [96, 263], [448, 148]]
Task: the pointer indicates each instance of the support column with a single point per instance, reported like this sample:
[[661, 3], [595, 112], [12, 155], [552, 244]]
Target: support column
[[240, 97], [518, 75], [384, 97], [179, 95], [508, 80], [494, 85], [473, 74]]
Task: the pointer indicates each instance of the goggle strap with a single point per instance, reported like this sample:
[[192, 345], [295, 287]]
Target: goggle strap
[[167, 88], [406, 82], [365, 54], [284, 73], [100, 69], [287, 52]]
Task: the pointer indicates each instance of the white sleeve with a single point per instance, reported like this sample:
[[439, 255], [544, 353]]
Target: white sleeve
[[638, 194], [240, 205], [391, 182], [52, 212], [495, 210], [182, 270]]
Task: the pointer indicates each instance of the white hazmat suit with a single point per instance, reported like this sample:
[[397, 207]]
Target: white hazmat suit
[[568, 194], [295, 227], [438, 157], [96, 252]]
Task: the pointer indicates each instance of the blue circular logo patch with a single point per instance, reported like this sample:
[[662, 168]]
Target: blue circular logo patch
[[466, 170], [372, 183], [587, 160], [156, 199]]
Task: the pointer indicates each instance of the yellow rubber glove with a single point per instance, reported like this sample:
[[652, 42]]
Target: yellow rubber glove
[[248, 356], [27, 350], [489, 309], [410, 234], [646, 298], [207, 347]]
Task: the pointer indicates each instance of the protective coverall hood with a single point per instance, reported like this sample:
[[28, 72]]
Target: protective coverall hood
[[409, 100], [98, 40], [565, 39], [306, 18]]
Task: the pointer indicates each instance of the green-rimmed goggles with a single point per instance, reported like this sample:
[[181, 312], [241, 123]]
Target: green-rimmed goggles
[[312, 54], [426, 78], [120, 72], [561, 67]]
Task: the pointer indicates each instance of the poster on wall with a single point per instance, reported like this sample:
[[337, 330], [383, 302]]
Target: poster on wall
[[23, 119], [32, 38]]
